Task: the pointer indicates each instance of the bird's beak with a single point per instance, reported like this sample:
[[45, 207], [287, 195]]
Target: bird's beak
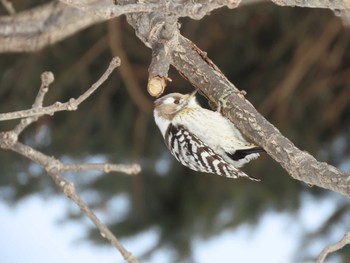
[[192, 94], [190, 97]]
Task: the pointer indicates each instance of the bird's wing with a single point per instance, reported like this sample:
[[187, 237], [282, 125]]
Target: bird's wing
[[192, 152], [242, 153]]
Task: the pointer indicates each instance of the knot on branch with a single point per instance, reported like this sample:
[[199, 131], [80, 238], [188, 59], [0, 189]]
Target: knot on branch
[[8, 139], [115, 62], [47, 78], [158, 25], [72, 105], [54, 166], [68, 188]]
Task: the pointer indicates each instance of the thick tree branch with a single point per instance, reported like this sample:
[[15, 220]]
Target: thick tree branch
[[195, 66], [203, 74], [108, 10], [39, 27], [329, 4]]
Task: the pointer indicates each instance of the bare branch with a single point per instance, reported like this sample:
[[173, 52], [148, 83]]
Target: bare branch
[[71, 105], [194, 65], [109, 10], [34, 29], [8, 6], [335, 247], [158, 70], [197, 10], [203, 74], [329, 4], [55, 168], [46, 79], [103, 167]]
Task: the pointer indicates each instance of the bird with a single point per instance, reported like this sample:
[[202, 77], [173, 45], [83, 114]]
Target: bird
[[201, 139]]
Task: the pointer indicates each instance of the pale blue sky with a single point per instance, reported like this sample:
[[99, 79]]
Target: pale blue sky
[[30, 232]]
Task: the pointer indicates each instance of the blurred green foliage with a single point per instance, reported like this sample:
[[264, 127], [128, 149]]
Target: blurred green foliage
[[294, 63]]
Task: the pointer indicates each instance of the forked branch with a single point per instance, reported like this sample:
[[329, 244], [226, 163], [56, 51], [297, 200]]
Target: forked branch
[[70, 105], [54, 167], [335, 247]]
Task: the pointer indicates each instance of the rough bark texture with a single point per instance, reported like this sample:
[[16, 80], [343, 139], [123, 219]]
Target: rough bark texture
[[42, 26], [195, 66], [334, 5], [31, 30], [156, 25], [34, 29], [203, 74]]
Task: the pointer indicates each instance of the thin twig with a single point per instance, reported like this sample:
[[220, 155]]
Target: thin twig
[[54, 167], [46, 79], [104, 167], [335, 247], [71, 105], [8, 6], [110, 11]]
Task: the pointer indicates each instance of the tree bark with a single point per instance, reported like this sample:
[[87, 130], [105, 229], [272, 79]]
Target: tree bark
[[203, 74]]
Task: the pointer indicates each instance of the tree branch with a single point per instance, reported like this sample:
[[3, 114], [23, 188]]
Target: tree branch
[[195, 66], [203, 74], [8, 6], [70, 105], [335, 247], [108, 10], [54, 167], [39, 27], [329, 4], [103, 167], [42, 26]]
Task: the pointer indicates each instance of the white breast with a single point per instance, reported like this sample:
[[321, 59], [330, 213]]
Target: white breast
[[162, 123]]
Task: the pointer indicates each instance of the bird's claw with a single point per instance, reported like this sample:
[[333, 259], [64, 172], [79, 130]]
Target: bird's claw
[[223, 99]]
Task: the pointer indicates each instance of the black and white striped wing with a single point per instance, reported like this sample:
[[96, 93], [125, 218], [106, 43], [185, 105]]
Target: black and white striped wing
[[190, 151]]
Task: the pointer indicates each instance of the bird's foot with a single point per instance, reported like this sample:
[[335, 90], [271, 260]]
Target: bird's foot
[[223, 99]]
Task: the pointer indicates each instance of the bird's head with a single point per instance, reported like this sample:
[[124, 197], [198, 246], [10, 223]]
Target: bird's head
[[169, 105]]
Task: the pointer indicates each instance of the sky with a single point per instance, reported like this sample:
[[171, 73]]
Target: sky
[[32, 231]]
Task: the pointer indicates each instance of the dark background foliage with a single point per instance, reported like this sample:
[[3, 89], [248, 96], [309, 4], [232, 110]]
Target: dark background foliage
[[294, 64]]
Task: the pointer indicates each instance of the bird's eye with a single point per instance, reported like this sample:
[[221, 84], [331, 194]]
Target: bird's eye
[[176, 101]]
